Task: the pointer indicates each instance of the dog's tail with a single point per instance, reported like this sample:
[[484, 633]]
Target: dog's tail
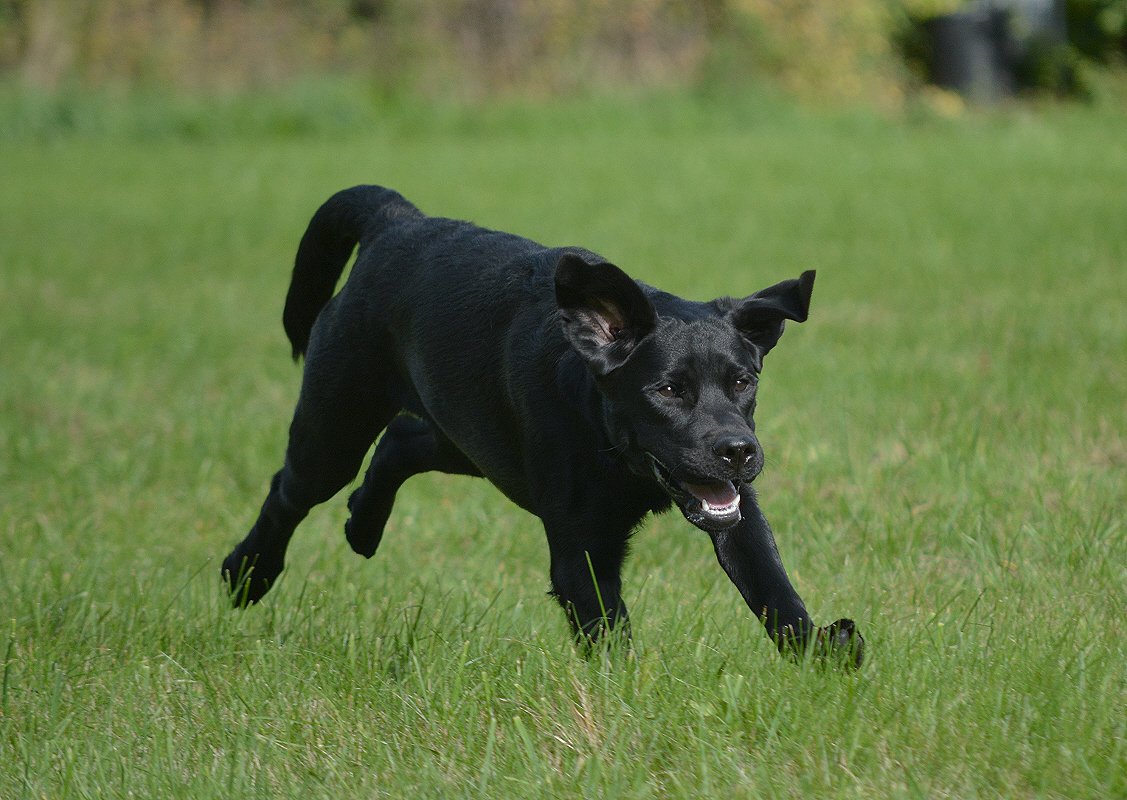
[[333, 233]]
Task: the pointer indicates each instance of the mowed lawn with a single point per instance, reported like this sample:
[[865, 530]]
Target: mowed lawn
[[946, 463]]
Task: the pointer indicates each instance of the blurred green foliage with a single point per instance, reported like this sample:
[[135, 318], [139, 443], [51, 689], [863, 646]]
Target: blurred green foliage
[[837, 50], [1098, 28]]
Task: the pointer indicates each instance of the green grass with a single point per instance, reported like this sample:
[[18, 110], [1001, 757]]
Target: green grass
[[946, 459]]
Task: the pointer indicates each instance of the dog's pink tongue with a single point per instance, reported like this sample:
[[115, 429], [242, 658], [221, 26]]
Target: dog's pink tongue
[[715, 495]]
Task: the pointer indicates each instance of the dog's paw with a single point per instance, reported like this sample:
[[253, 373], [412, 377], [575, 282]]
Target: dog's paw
[[840, 644], [248, 579], [360, 539]]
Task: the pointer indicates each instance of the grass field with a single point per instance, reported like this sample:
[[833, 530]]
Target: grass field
[[946, 443]]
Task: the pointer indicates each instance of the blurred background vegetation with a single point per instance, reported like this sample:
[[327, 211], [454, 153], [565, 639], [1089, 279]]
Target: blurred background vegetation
[[822, 50]]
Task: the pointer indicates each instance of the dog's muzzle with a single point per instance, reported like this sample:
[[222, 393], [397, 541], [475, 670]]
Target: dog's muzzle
[[712, 507]]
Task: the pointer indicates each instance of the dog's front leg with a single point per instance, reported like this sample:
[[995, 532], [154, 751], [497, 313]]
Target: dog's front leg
[[748, 553], [586, 580]]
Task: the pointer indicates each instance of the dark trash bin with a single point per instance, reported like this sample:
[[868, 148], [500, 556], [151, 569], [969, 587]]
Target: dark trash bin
[[973, 53]]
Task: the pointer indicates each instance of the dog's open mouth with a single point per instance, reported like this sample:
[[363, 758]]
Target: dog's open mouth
[[710, 506]]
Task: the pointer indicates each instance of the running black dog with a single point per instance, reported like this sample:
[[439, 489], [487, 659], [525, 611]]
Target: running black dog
[[588, 398]]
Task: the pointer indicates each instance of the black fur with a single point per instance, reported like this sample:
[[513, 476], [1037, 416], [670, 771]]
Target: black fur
[[588, 398]]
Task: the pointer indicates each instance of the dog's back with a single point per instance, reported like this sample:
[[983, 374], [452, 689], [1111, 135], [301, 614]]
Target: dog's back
[[338, 226], [483, 276]]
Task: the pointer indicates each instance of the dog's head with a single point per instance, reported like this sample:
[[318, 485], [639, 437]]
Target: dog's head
[[678, 386]]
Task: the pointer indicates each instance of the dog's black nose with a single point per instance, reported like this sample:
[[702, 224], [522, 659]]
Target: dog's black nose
[[735, 450]]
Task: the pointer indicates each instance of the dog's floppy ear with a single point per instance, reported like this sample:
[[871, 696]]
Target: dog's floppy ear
[[761, 317], [604, 313]]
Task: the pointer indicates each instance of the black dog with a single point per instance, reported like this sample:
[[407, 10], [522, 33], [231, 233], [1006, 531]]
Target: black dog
[[588, 398]]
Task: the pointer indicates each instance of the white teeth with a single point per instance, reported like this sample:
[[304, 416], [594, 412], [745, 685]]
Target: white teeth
[[720, 511]]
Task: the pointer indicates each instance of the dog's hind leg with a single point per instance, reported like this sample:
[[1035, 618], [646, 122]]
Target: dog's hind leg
[[410, 445], [341, 410]]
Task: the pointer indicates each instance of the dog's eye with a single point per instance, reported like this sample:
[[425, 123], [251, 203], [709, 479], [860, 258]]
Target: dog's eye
[[741, 384], [669, 390]]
